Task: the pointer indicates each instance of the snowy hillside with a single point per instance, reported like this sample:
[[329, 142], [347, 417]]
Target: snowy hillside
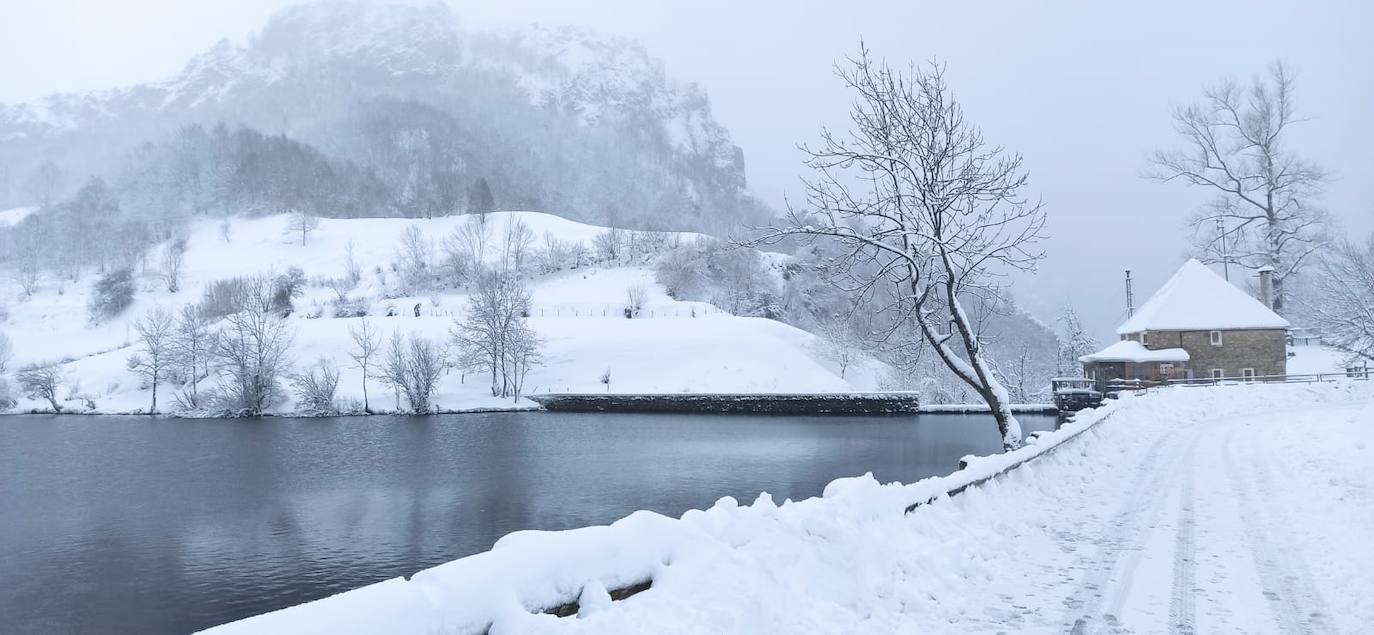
[[672, 347]]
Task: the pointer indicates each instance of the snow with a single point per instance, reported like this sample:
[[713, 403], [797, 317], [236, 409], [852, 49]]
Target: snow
[[11, 217], [1222, 509], [1133, 351], [1315, 360], [674, 347], [1197, 299]]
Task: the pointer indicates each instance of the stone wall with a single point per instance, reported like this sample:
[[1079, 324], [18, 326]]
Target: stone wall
[[1262, 349]]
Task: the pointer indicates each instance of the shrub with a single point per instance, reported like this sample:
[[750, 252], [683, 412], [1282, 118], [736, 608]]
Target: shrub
[[41, 381], [113, 293], [315, 387], [222, 298], [286, 288]]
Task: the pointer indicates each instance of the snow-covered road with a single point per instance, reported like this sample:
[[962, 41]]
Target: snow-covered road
[[1202, 544], [1229, 509]]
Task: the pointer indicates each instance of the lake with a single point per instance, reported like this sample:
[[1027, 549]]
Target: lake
[[149, 525]]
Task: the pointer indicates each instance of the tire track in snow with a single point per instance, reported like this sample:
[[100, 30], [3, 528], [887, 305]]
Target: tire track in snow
[[1283, 573], [1182, 605], [1129, 523]]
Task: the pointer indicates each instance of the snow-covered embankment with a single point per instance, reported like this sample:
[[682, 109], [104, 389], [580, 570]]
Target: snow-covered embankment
[[851, 559]]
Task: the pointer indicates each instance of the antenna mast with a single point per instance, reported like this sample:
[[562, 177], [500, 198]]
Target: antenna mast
[[1130, 296]]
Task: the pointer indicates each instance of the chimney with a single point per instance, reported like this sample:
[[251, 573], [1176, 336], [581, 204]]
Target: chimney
[[1266, 275]]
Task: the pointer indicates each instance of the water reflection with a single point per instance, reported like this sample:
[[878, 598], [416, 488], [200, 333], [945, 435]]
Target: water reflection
[[118, 524]]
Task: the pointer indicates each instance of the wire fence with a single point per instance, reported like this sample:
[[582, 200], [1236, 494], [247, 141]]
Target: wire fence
[[580, 311]]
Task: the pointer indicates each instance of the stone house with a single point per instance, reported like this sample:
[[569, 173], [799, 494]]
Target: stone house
[[1197, 325]]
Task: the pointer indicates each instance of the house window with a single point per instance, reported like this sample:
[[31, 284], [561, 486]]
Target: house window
[[1216, 373], [1247, 373], [1216, 338]]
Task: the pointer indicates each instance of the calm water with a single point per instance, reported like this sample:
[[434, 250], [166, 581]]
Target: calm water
[[138, 525]]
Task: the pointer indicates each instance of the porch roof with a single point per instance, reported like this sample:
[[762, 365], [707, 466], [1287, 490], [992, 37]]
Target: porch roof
[[1133, 351]]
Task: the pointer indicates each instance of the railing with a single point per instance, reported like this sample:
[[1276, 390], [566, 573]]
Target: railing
[[1274, 379]]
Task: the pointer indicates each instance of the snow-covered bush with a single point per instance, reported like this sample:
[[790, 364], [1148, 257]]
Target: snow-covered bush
[[635, 297], [608, 246], [286, 288], [223, 297], [555, 256], [315, 387], [350, 308], [113, 293]]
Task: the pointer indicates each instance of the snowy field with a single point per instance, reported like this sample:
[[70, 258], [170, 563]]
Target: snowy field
[[673, 347], [1209, 510]]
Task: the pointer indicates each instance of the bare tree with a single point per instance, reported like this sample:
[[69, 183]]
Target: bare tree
[[609, 246], [515, 245], [171, 264], [466, 247], [1342, 306], [28, 263], [391, 369], [918, 201], [41, 381], [251, 351], [1236, 145], [365, 345], [352, 271], [493, 335], [193, 345], [6, 353], [154, 360], [414, 259], [522, 355], [303, 222], [412, 367], [425, 364], [840, 341]]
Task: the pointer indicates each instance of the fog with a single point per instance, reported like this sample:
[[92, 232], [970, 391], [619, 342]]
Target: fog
[[1082, 90]]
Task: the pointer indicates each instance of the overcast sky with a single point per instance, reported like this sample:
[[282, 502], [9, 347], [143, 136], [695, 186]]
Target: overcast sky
[[1082, 89]]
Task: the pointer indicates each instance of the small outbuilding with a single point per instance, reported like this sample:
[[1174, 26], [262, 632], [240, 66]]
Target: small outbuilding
[[1197, 325]]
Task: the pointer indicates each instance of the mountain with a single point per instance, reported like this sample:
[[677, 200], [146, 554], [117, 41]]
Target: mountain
[[558, 119]]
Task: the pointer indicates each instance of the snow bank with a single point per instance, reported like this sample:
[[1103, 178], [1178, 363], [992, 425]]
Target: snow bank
[[850, 560], [11, 217]]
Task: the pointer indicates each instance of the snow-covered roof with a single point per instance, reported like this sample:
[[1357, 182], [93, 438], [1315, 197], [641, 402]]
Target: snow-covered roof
[[1133, 351], [1197, 299]]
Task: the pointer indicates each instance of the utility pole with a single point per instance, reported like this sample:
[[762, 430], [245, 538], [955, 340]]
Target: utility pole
[[1225, 252]]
